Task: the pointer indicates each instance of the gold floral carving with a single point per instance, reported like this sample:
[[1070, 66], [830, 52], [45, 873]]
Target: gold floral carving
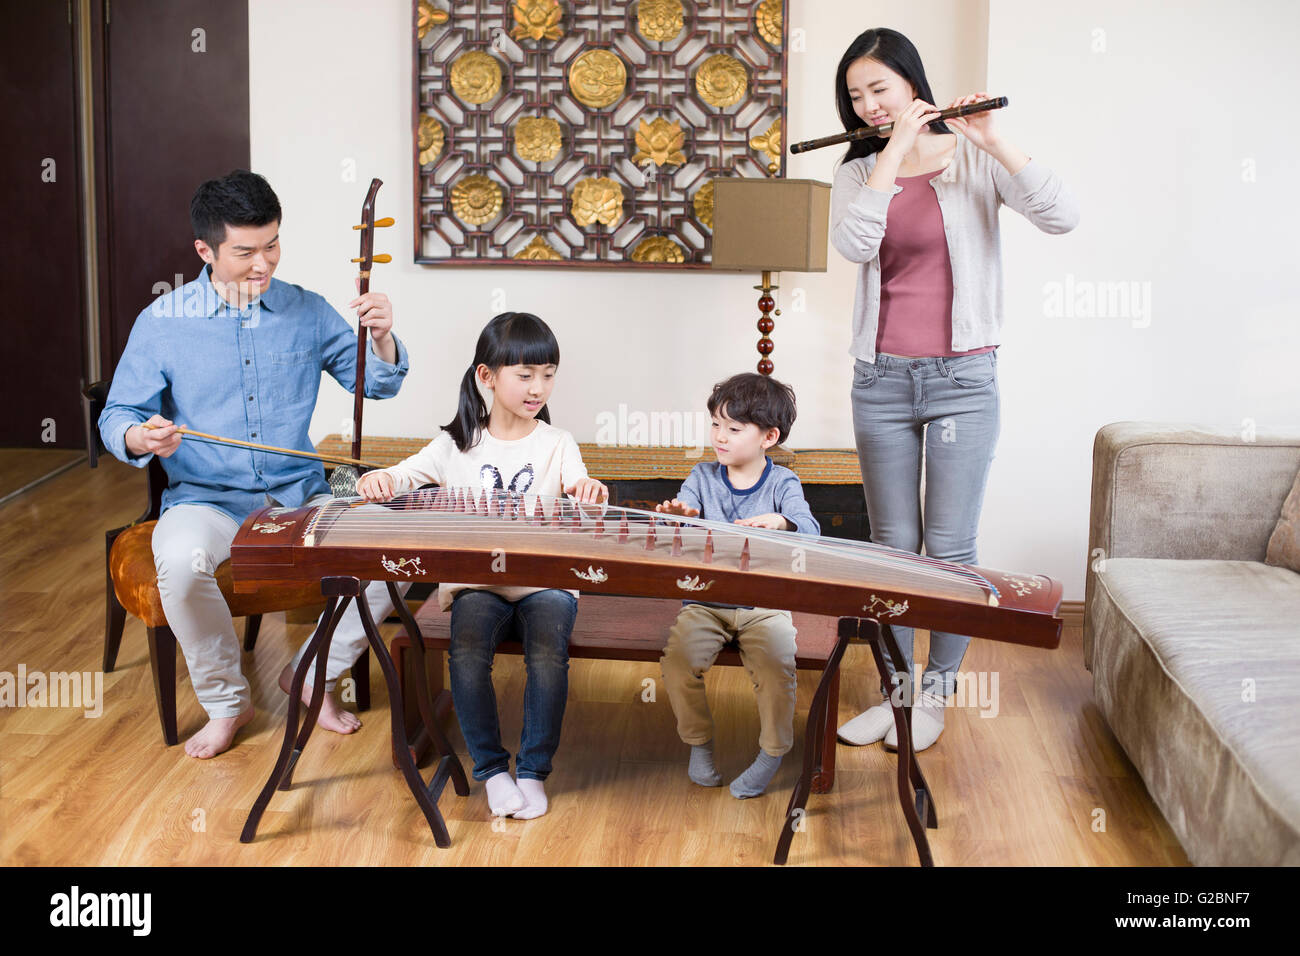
[[721, 80], [598, 199], [597, 78], [660, 20], [703, 203], [538, 20], [770, 143], [431, 139], [538, 248], [476, 200], [658, 249], [430, 17], [537, 138], [660, 143], [768, 19], [476, 77]]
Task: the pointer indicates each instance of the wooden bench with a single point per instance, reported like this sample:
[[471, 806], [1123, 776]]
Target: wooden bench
[[622, 629]]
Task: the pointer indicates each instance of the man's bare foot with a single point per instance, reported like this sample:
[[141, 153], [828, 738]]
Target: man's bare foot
[[332, 716], [217, 735]]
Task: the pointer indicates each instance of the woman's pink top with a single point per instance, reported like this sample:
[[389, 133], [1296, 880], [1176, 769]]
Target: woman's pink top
[[916, 275]]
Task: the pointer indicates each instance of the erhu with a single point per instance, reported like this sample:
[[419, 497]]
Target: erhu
[[343, 480]]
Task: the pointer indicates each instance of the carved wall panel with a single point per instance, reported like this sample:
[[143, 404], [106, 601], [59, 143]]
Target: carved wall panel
[[561, 133]]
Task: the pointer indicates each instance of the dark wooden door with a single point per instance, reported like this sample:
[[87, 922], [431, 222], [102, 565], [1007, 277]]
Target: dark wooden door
[[176, 104], [41, 307], [168, 99]]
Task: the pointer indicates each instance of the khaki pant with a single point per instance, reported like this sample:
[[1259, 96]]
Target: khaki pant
[[189, 542], [767, 647]]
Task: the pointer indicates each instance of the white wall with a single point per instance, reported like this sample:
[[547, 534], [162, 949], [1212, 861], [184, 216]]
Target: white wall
[[1151, 111], [331, 83]]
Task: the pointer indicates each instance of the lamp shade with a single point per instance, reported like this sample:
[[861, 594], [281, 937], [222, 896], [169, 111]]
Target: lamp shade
[[770, 224]]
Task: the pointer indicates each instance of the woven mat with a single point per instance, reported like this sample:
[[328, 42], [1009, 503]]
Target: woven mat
[[821, 466]]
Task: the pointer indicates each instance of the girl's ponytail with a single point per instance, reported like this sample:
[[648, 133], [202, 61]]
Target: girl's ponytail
[[471, 413]]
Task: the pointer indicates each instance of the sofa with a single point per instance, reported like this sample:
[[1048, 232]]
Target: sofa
[[1193, 641]]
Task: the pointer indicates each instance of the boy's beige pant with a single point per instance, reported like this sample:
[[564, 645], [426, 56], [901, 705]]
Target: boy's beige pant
[[767, 647]]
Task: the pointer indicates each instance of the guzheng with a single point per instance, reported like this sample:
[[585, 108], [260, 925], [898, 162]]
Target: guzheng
[[507, 538]]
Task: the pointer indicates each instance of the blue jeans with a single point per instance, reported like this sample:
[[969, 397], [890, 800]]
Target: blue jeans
[[481, 620], [951, 407]]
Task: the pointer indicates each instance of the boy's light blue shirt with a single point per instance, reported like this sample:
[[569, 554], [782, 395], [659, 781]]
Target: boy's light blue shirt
[[251, 374], [778, 490]]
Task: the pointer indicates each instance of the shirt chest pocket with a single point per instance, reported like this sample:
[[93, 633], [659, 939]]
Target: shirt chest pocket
[[295, 377]]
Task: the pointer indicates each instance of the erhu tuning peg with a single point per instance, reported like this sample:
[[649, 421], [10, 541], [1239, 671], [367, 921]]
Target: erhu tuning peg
[[379, 223], [382, 257]]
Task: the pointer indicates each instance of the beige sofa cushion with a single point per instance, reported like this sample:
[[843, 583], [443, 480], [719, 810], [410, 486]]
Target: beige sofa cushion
[[1179, 645], [1284, 544]]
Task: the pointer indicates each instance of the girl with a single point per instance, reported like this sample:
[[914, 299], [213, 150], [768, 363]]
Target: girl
[[514, 448], [926, 321]]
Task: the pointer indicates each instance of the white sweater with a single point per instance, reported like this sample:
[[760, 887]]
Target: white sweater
[[969, 191], [544, 463]]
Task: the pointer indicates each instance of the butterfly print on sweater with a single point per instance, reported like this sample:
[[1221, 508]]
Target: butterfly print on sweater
[[490, 479]]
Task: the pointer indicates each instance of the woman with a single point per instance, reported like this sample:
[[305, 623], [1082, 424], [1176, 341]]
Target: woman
[[918, 208]]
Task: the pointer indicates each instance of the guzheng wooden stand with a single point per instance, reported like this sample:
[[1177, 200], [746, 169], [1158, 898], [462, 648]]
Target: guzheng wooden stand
[[913, 792], [295, 738], [457, 534]]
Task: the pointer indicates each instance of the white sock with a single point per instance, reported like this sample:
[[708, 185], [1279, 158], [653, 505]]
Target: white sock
[[503, 795], [927, 722], [869, 726], [534, 794]]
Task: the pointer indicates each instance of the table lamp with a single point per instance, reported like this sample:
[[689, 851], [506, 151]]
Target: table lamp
[[770, 225]]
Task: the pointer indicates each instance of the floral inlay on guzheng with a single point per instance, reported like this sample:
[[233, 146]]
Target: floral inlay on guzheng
[[401, 565], [888, 608], [271, 527], [1023, 586], [594, 575], [692, 583]]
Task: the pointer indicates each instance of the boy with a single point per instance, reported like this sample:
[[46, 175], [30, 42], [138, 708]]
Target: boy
[[751, 413]]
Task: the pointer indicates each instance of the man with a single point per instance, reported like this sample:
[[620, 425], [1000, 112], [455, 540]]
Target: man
[[239, 354]]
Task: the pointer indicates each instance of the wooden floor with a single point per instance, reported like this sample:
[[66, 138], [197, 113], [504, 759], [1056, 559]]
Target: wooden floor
[[20, 466], [1023, 788]]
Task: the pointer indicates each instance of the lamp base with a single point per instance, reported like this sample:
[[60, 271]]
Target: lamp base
[[766, 305]]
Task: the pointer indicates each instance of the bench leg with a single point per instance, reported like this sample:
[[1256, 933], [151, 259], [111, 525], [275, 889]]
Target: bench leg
[[162, 661], [824, 776]]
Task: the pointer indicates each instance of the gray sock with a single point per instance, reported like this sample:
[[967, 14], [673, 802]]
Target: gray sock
[[701, 769], [754, 780]]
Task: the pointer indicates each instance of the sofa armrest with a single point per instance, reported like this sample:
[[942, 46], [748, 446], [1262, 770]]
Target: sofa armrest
[[1184, 491]]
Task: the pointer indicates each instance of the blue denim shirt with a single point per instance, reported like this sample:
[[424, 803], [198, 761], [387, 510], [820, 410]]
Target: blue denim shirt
[[250, 374]]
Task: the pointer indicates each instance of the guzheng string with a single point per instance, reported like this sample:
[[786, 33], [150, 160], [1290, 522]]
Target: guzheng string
[[450, 512]]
